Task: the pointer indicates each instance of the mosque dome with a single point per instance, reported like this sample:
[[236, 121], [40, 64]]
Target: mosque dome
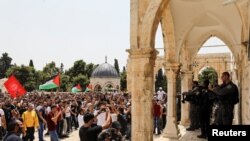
[[105, 70]]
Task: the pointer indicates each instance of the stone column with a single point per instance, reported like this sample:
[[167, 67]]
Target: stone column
[[171, 130], [141, 70], [129, 77], [196, 73], [186, 84]]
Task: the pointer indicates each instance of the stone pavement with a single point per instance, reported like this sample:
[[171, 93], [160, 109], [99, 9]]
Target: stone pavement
[[185, 136]]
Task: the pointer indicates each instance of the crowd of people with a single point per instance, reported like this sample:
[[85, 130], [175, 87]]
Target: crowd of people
[[58, 114]]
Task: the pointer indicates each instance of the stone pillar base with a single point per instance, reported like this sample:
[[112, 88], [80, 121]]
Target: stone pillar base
[[171, 130], [185, 122], [142, 136]]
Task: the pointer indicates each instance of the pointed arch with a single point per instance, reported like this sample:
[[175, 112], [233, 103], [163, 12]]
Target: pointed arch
[[227, 37], [150, 22], [203, 38], [97, 88], [167, 23]]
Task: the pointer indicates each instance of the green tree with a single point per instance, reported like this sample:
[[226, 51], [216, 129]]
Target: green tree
[[165, 83], [124, 79], [61, 68], [78, 68], [159, 79], [31, 63], [80, 79], [41, 78], [65, 83], [5, 64], [26, 75], [210, 74], [50, 69], [89, 69], [117, 66]]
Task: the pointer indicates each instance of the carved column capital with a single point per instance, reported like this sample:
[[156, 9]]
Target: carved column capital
[[142, 53], [186, 73], [172, 69]]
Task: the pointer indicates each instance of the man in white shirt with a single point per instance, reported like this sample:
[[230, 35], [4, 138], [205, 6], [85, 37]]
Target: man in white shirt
[[161, 95], [101, 118]]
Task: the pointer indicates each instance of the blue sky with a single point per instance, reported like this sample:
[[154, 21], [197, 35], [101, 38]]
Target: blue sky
[[65, 31]]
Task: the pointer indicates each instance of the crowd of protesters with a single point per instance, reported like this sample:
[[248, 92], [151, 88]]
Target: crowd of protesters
[[58, 114]]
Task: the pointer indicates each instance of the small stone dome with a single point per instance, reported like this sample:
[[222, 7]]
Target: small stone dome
[[105, 70]]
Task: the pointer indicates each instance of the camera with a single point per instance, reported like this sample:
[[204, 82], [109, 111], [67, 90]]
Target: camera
[[103, 109], [191, 95]]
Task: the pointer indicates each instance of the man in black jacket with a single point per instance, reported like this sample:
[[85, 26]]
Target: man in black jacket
[[206, 99], [88, 132], [228, 96]]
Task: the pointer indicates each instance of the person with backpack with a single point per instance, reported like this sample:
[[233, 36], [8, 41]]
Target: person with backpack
[[228, 95]]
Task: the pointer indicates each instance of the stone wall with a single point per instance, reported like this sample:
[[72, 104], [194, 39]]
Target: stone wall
[[104, 82]]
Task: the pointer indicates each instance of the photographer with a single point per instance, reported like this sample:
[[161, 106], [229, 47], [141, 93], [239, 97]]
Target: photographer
[[192, 97], [88, 132]]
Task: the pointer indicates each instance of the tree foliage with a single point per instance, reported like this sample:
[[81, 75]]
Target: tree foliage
[[31, 64], [89, 69], [5, 64], [124, 79], [210, 74], [161, 80], [61, 68], [65, 85], [26, 75], [50, 69], [117, 66], [80, 79], [78, 68]]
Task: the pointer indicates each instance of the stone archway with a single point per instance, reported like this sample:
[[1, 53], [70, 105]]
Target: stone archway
[[108, 86], [97, 88], [141, 64], [145, 17], [219, 61]]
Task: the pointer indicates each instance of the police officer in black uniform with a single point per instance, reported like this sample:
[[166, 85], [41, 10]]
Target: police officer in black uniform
[[228, 96], [206, 99], [192, 97]]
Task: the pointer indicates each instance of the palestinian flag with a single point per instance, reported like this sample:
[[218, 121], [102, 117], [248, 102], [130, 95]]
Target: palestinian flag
[[88, 88], [77, 88], [51, 84]]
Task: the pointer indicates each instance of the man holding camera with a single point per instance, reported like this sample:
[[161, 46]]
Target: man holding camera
[[88, 132], [228, 96]]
